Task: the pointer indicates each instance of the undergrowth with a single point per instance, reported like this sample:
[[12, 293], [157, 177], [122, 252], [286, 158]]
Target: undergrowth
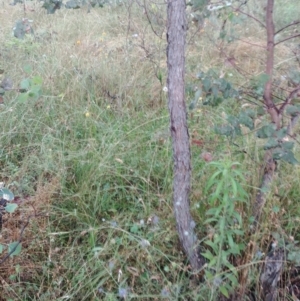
[[92, 154]]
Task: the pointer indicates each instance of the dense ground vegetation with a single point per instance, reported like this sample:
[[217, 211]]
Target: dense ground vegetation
[[90, 158]]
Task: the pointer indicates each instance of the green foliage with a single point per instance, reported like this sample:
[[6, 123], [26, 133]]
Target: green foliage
[[14, 248], [7, 196], [52, 5], [211, 90], [258, 84], [30, 88], [225, 194]]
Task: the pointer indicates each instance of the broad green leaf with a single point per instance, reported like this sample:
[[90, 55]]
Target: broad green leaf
[[295, 76], [250, 112], [292, 110], [16, 246], [290, 158], [206, 84], [27, 68], [37, 80], [215, 101], [224, 291], [6, 194], [234, 121], [134, 229], [1, 248], [246, 120], [261, 111], [11, 207], [215, 91], [263, 79], [22, 97], [280, 134], [271, 143], [266, 131], [25, 84], [278, 153], [288, 145]]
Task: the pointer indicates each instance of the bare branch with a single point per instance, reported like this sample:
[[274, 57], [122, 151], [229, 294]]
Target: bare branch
[[288, 100], [289, 38], [285, 27], [250, 16], [252, 44], [150, 22]]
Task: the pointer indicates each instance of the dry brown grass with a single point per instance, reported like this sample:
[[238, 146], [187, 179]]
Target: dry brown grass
[[35, 209]]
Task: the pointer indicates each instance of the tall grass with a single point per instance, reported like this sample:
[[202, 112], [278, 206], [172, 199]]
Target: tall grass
[[93, 156]]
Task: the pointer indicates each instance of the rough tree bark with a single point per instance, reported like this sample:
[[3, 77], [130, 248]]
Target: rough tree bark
[[270, 163], [176, 36]]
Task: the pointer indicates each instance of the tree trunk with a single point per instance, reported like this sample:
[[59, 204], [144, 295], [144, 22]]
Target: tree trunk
[[179, 131], [270, 163]]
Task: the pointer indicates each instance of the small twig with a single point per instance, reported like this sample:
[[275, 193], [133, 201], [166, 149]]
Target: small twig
[[289, 38], [283, 28], [20, 237], [150, 22], [252, 17], [288, 100], [253, 44]]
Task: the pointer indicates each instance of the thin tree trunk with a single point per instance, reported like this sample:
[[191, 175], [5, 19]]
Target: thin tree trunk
[[179, 131], [274, 261], [270, 163]]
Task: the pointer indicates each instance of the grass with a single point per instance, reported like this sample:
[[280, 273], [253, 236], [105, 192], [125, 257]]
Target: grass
[[92, 156]]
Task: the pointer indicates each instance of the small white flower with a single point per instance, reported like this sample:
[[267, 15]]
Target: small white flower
[[144, 243], [165, 89]]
